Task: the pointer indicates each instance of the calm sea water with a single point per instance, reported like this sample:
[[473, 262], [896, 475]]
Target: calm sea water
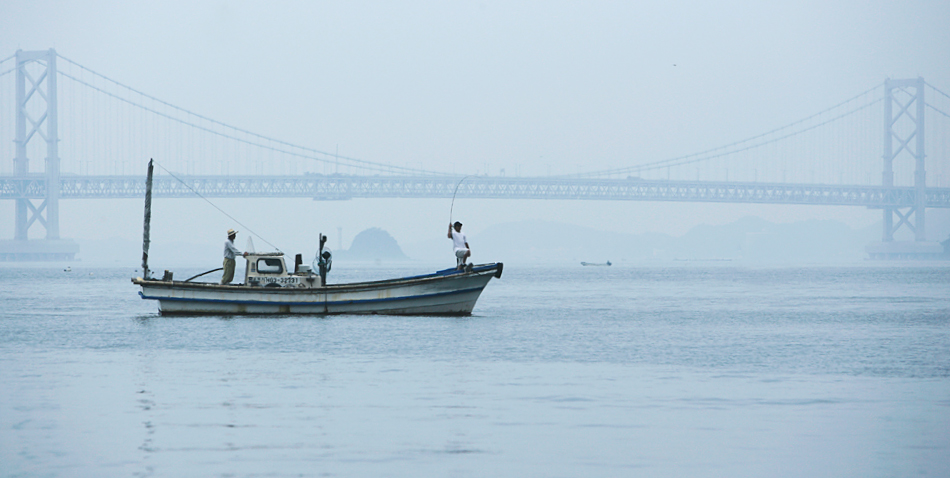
[[683, 371]]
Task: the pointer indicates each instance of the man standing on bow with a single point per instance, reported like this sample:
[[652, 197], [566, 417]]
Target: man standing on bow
[[229, 253], [460, 243]]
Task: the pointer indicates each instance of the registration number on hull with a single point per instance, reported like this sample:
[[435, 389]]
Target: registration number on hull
[[275, 281]]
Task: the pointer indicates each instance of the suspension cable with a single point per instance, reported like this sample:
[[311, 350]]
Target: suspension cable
[[378, 166], [938, 111], [369, 165], [654, 166], [937, 90], [663, 163], [327, 157]]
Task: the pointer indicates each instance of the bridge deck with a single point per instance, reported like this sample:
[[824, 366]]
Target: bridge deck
[[338, 187]]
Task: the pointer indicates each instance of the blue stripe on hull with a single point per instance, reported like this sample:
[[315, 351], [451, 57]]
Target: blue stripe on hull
[[314, 303]]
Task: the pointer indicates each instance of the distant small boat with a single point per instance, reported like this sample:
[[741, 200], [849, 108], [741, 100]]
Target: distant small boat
[[68, 269], [596, 264]]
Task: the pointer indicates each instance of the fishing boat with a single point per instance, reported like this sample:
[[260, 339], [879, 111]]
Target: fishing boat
[[270, 288], [597, 264]]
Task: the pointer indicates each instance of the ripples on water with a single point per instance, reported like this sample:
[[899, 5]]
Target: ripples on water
[[621, 371]]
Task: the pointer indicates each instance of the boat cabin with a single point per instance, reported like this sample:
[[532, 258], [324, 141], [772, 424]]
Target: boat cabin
[[267, 269]]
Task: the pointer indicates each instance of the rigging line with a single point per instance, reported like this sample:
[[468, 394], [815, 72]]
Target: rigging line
[[285, 143], [7, 58], [744, 140], [8, 71], [936, 89], [938, 111], [216, 206], [372, 166], [653, 167]]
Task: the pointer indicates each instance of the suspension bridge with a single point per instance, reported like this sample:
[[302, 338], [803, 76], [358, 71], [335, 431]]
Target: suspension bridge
[[93, 133]]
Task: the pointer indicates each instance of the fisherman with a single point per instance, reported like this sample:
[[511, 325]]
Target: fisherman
[[460, 243], [229, 252]]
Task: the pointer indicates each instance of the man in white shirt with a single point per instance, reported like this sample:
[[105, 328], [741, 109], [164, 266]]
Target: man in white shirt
[[229, 253], [460, 243]]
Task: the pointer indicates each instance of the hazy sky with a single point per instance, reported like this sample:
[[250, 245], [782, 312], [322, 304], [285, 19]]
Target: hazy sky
[[467, 86]]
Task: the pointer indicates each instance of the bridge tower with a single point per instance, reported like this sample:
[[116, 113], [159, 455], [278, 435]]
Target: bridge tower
[[904, 140], [36, 93]]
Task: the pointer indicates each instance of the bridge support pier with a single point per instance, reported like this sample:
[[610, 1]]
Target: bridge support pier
[[905, 124], [35, 92]]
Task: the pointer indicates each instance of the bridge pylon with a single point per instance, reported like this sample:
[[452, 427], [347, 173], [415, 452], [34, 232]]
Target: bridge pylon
[[904, 137], [36, 93]]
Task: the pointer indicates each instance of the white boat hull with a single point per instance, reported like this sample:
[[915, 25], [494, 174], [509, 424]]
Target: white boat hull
[[443, 293]]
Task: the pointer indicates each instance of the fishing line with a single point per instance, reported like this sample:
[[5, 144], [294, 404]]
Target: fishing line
[[453, 197], [216, 207]]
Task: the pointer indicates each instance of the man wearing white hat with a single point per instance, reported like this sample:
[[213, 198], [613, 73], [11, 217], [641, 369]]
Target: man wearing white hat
[[229, 253]]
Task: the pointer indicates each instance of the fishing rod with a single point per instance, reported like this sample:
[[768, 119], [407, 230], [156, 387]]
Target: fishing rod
[[453, 197]]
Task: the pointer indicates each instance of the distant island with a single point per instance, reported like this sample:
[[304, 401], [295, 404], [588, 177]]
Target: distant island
[[373, 244]]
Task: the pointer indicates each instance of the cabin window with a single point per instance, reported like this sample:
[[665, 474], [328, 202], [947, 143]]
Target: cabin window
[[269, 266]]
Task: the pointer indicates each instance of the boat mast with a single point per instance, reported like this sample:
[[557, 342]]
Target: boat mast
[[148, 220]]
